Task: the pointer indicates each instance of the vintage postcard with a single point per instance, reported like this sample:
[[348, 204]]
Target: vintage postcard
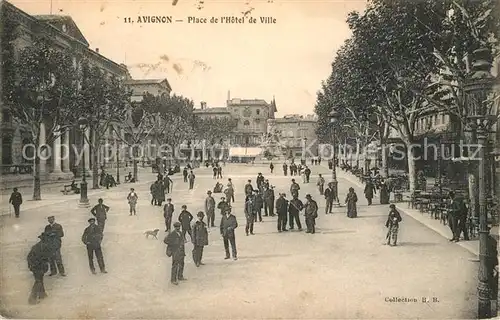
[[244, 159]]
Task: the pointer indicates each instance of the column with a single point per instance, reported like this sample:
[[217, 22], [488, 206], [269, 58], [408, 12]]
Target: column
[[42, 139], [65, 155], [56, 154], [87, 151]]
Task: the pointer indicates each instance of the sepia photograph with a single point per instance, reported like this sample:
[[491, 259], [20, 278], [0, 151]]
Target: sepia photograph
[[249, 159]]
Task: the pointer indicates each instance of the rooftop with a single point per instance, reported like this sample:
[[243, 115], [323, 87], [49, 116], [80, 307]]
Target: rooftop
[[148, 81], [212, 110]]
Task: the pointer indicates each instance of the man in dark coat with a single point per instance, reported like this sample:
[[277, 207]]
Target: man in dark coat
[[185, 174], [260, 180], [228, 224], [38, 263], [175, 249], [249, 214], [269, 201], [100, 212], [294, 188], [55, 230], [200, 239], [92, 238], [258, 204], [168, 183], [329, 197], [282, 211], [223, 206], [271, 166], [369, 191], [154, 193], [307, 172], [191, 178], [210, 209], [455, 212], [16, 199], [168, 211], [160, 192], [248, 188], [185, 218], [310, 213], [294, 211], [215, 172], [285, 169], [219, 172]]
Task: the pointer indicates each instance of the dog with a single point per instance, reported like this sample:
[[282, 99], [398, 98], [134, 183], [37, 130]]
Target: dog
[[153, 233]]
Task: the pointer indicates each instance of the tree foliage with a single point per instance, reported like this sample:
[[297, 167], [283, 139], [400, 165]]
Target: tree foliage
[[214, 130]]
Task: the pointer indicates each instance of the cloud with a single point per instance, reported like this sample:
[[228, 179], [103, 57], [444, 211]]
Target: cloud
[[165, 58], [103, 6], [178, 68]]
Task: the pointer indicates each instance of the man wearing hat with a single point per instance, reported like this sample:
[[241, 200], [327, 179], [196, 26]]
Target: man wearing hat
[[175, 249], [282, 211], [200, 238], [269, 201], [38, 260], [310, 213], [56, 231], [92, 237], [185, 218], [223, 206], [100, 212], [168, 211], [294, 188], [248, 188], [228, 224], [249, 214], [230, 191], [260, 181], [210, 209]]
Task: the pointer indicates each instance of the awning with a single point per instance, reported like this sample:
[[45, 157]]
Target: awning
[[244, 152]]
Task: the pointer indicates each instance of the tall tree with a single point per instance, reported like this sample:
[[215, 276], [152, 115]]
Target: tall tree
[[40, 92], [102, 101]]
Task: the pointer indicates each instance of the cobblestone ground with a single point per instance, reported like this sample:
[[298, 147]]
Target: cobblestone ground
[[343, 271]]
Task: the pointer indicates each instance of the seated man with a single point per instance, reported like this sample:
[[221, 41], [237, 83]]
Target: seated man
[[74, 187], [112, 181], [128, 177], [218, 187]]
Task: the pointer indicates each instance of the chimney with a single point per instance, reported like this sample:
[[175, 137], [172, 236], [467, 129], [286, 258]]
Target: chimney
[[97, 50], [203, 105], [228, 95]]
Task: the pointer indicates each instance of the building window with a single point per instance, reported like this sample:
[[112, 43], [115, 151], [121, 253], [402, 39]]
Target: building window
[[6, 150], [257, 121], [258, 111], [246, 123], [6, 116]]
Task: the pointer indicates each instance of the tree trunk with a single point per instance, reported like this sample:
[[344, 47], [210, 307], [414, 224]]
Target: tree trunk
[[136, 175], [357, 152], [472, 175], [412, 172], [385, 165], [37, 190], [95, 169]]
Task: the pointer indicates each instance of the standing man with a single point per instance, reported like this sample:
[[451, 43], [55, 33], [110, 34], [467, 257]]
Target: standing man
[[269, 201], [285, 169], [92, 238], [294, 210], [55, 232], [258, 204], [200, 239], [185, 174], [282, 210], [210, 209], [307, 171], [249, 215], [455, 210], [271, 166], [321, 184], [294, 188], [132, 201], [310, 213], [329, 197], [168, 211], [223, 206], [228, 224], [38, 263], [175, 249], [230, 188], [248, 189], [100, 212], [16, 199], [154, 193], [185, 218], [191, 178], [219, 172], [260, 181], [161, 192], [168, 183], [369, 191], [215, 172]]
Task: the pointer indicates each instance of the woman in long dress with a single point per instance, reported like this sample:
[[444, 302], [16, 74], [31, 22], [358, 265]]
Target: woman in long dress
[[384, 193], [351, 200]]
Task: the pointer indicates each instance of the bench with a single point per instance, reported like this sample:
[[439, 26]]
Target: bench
[[67, 189]]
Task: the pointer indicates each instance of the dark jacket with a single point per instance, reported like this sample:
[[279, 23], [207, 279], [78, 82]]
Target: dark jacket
[[249, 209], [369, 190], [16, 198], [38, 258], [394, 218], [185, 218], [175, 244], [260, 180], [209, 205], [92, 236], [258, 201], [295, 206], [200, 233], [311, 209], [248, 189], [281, 205], [168, 210], [58, 232], [294, 187], [227, 225], [328, 193], [100, 212], [223, 206], [307, 172], [269, 195]]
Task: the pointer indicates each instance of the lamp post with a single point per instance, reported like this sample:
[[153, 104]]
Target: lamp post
[[477, 92], [117, 162], [333, 115], [84, 200], [304, 152]]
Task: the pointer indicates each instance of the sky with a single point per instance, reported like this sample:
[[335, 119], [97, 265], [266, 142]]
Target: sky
[[287, 60]]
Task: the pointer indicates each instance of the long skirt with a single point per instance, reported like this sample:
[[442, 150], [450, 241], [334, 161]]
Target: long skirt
[[352, 211], [393, 233]]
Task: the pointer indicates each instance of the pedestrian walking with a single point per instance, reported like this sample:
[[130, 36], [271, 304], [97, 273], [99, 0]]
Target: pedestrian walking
[[454, 213], [185, 218], [228, 224], [215, 172], [132, 201], [294, 188], [351, 201], [16, 199], [258, 204], [294, 213], [38, 264], [210, 209], [369, 191], [55, 232], [392, 224], [307, 172], [160, 197], [248, 188], [329, 197], [92, 238], [321, 184], [168, 211], [249, 214], [223, 206], [176, 249], [271, 167], [100, 212], [185, 174], [191, 178], [384, 193], [154, 191], [231, 190], [200, 239], [282, 211], [260, 181], [219, 172], [168, 183], [310, 214], [285, 169], [269, 201]]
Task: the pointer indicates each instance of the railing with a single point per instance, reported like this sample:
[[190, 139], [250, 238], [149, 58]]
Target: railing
[[17, 169]]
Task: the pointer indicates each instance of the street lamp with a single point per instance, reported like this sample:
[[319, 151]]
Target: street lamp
[[304, 151], [117, 162], [477, 91], [333, 115], [84, 200]]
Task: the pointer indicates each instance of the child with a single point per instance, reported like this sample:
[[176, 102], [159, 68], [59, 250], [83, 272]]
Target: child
[[392, 223]]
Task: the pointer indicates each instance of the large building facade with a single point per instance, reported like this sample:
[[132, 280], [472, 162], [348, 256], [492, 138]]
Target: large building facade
[[296, 135]]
